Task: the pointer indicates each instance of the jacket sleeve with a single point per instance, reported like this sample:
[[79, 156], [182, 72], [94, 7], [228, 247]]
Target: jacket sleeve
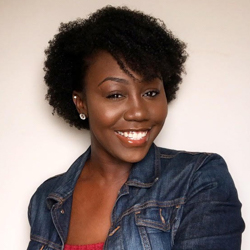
[[211, 217]]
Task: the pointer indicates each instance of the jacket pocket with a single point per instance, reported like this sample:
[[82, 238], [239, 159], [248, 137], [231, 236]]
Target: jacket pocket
[[155, 218], [154, 226]]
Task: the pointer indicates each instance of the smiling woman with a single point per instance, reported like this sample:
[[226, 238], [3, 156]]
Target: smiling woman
[[114, 74], [125, 112]]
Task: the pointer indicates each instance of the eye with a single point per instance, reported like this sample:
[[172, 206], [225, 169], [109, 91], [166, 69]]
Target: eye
[[115, 96], [151, 93]]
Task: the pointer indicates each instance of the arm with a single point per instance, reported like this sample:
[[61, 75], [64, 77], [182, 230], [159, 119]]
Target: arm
[[211, 217]]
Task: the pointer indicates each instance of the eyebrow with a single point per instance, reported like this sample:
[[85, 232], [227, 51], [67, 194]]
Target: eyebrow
[[115, 79]]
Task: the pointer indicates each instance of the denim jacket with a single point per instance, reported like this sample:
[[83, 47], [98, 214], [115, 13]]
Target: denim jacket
[[172, 200]]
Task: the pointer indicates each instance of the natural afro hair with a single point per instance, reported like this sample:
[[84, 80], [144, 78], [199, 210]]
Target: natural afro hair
[[138, 42]]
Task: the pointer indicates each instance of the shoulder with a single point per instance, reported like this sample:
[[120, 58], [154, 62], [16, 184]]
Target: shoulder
[[60, 186], [55, 189], [196, 171], [188, 155], [196, 160], [211, 201], [38, 199], [47, 187]]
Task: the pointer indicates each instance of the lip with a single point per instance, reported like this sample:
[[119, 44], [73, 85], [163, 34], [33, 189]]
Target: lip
[[138, 138]]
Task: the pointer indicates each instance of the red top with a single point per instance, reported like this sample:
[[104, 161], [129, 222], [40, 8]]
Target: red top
[[97, 246]]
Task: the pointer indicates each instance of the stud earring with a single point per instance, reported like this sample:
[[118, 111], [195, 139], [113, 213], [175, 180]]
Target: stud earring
[[75, 96], [82, 116]]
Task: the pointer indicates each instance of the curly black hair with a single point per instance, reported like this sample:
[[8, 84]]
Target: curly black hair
[[137, 41]]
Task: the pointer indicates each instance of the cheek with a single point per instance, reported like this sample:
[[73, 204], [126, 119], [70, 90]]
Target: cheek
[[103, 114], [160, 111], [165, 111]]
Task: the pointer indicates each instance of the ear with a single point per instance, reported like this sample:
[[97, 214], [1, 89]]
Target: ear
[[80, 103]]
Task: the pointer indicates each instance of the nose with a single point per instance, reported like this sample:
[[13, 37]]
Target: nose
[[137, 110]]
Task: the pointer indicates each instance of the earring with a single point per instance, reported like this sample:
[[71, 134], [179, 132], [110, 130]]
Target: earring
[[75, 96], [83, 116]]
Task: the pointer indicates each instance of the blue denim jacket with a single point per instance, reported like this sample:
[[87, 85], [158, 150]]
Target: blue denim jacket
[[172, 200]]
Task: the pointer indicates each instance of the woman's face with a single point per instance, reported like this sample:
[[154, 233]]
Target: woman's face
[[125, 114]]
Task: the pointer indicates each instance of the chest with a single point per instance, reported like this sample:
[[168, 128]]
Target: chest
[[141, 218], [91, 211], [133, 218]]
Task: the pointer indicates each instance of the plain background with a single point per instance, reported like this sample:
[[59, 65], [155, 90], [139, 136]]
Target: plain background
[[211, 112]]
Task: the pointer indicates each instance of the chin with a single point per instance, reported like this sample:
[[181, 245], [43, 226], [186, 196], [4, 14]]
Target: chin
[[135, 156]]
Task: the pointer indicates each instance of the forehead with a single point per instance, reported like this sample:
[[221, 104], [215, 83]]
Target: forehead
[[102, 64]]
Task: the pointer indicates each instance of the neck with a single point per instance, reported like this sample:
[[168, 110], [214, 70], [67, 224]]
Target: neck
[[105, 170]]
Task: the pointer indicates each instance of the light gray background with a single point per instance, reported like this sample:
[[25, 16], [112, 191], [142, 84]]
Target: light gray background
[[211, 112]]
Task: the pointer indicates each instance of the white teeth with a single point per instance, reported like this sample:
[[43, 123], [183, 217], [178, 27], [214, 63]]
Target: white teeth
[[133, 135]]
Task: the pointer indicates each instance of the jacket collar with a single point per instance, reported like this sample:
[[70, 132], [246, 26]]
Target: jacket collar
[[146, 172], [66, 182], [143, 174]]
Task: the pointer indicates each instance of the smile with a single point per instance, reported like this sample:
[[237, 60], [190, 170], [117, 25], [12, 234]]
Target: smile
[[133, 135]]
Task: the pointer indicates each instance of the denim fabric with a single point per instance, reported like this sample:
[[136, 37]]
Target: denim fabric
[[172, 200]]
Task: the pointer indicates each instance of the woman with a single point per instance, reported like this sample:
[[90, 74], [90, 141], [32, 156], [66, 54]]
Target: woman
[[114, 74]]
